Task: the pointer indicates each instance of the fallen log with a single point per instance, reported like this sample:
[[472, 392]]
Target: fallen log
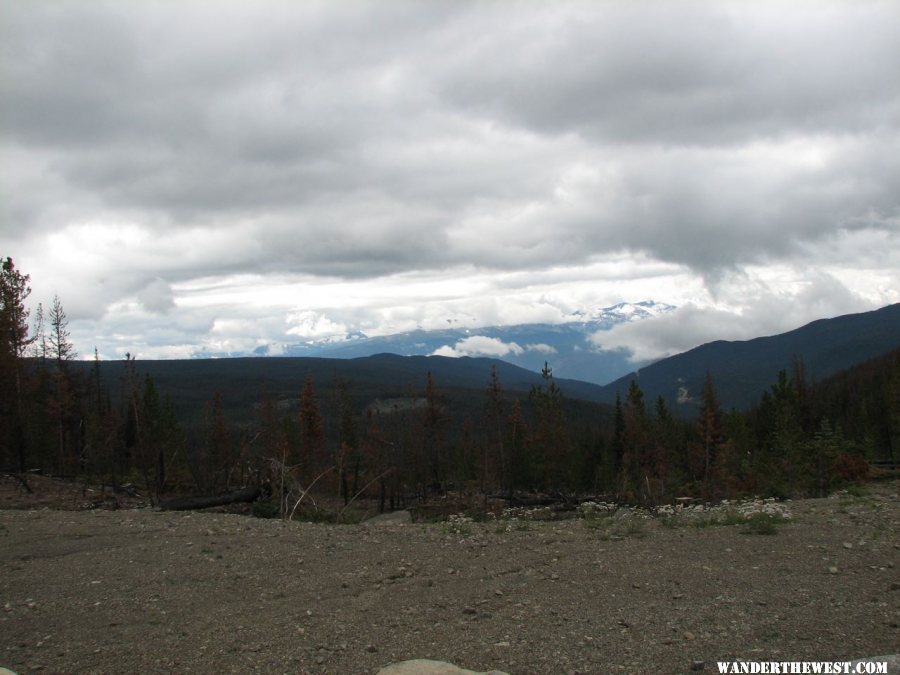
[[246, 494], [561, 502]]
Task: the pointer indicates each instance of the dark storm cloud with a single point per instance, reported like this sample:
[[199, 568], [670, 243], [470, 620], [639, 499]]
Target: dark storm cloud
[[169, 141], [688, 72]]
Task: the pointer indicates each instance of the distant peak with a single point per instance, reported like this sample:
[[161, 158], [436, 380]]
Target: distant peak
[[631, 311]]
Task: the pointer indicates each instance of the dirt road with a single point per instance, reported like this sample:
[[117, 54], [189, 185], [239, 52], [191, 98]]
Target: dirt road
[[143, 591]]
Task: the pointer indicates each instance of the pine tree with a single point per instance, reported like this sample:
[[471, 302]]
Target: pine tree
[[64, 400], [312, 430], [433, 422], [549, 435], [61, 348], [709, 429], [348, 457], [14, 290], [40, 348], [219, 446], [520, 469], [494, 416], [100, 452], [618, 443], [636, 445]]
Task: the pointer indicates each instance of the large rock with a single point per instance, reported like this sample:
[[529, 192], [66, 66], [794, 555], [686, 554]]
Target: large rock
[[429, 667], [393, 518]]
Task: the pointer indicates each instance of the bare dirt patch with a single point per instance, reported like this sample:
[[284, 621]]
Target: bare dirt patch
[[143, 591]]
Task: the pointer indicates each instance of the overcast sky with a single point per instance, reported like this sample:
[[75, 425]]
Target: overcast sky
[[217, 175]]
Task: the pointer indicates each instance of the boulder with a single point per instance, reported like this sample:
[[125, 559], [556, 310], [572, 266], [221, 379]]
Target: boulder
[[393, 518], [429, 667]]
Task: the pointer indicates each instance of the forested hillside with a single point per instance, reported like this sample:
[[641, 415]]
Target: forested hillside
[[403, 428], [743, 370]]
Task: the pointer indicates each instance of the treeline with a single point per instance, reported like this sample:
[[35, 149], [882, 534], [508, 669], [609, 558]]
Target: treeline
[[116, 427]]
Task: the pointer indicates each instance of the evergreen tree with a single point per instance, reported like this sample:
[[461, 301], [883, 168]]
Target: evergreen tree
[[312, 431], [101, 446], [219, 454], [61, 347], [64, 401], [520, 469], [618, 445], [636, 446], [549, 434], [709, 429], [493, 465], [14, 290], [349, 457], [40, 348], [433, 422]]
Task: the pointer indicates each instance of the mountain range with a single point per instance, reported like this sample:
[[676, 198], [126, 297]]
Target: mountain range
[[565, 345], [743, 370]]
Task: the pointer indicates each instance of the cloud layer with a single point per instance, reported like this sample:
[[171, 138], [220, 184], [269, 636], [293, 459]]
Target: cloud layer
[[209, 173]]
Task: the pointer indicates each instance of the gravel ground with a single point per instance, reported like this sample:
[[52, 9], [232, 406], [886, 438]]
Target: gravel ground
[[140, 591]]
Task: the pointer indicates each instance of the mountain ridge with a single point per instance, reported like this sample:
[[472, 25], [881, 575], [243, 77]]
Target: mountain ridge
[[743, 369], [567, 344]]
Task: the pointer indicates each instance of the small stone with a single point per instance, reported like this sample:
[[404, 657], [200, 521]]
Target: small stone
[[498, 592], [688, 635], [371, 649], [847, 545], [832, 570], [697, 665], [554, 577], [503, 643]]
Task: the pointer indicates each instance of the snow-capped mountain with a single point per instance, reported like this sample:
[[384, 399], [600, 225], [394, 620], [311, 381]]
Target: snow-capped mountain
[[565, 346]]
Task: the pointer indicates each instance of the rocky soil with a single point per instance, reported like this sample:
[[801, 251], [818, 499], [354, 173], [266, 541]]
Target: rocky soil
[[141, 591]]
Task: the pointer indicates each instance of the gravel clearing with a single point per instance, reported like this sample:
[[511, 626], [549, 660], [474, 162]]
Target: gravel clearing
[[142, 591]]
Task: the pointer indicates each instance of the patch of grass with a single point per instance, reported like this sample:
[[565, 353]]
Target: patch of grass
[[353, 516], [458, 524], [855, 490], [761, 523], [729, 518], [754, 522], [621, 528], [514, 525], [672, 522], [457, 529], [316, 516], [707, 521]]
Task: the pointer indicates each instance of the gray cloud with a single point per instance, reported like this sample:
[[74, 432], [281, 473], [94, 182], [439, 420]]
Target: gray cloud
[[762, 312], [151, 144], [157, 297]]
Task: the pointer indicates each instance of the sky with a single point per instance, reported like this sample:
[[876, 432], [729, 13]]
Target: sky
[[213, 176]]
